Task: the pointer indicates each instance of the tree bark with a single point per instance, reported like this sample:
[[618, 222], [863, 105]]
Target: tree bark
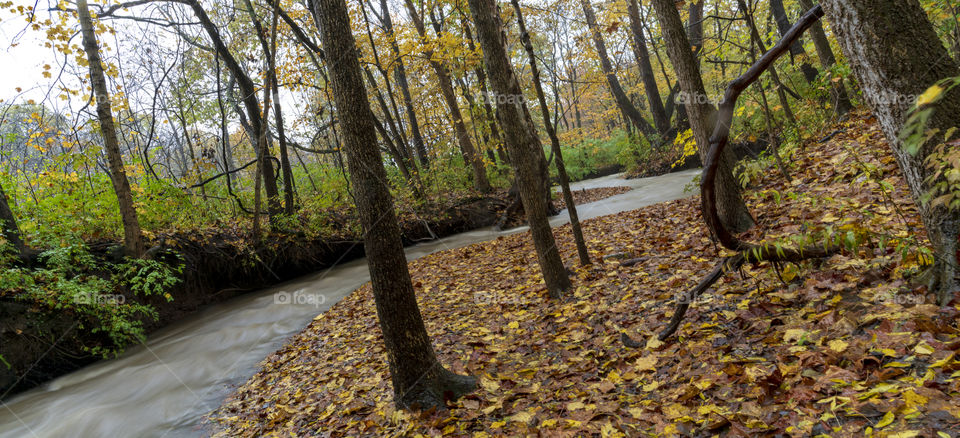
[[896, 55], [796, 49], [695, 28], [701, 114], [8, 225], [132, 240], [419, 380], [400, 75], [660, 118], [619, 95], [520, 135], [470, 156], [554, 141], [490, 116], [838, 92]]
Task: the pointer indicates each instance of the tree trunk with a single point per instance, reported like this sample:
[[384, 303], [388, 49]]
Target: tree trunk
[[419, 380], [620, 96], [400, 75], [489, 115], [896, 55], [660, 118], [132, 240], [695, 28], [405, 161], [554, 141], [796, 49], [250, 103], [289, 205], [838, 93], [8, 225], [470, 156], [774, 76], [733, 212], [520, 135]]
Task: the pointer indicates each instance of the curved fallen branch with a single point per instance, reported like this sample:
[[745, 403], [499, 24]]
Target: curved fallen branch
[[746, 252]]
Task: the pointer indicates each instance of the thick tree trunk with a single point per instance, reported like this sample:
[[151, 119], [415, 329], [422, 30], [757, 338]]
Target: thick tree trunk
[[520, 135], [132, 240], [796, 49], [554, 141], [660, 118], [8, 225], [896, 55], [695, 28], [839, 97], [619, 95], [470, 156], [700, 112], [419, 380]]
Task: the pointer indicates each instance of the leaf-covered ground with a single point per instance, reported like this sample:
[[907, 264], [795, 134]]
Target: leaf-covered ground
[[584, 196], [843, 347]]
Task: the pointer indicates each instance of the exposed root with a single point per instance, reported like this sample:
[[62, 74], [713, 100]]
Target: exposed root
[[435, 390]]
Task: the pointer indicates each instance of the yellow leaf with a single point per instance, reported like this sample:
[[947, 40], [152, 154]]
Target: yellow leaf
[[793, 335], [522, 417], [913, 400], [942, 362], [674, 410], [837, 345], [930, 95], [889, 352], [904, 434], [513, 325], [829, 218], [923, 348], [790, 272], [647, 363], [489, 385], [886, 420], [548, 423], [636, 413], [572, 406]]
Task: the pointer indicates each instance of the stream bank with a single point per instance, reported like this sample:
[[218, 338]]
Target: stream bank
[[39, 343]]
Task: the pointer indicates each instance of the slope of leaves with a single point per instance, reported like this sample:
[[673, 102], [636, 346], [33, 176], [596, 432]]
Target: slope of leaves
[[844, 347]]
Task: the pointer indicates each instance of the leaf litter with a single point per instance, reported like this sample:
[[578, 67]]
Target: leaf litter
[[846, 346]]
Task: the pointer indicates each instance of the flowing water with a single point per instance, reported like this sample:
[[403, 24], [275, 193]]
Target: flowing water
[[164, 387]]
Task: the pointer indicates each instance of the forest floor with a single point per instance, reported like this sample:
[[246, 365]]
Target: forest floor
[[845, 346]]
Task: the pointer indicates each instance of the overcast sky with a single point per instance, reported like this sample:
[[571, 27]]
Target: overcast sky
[[22, 66]]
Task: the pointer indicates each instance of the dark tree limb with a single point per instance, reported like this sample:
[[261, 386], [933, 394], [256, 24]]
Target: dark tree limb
[[746, 252]]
